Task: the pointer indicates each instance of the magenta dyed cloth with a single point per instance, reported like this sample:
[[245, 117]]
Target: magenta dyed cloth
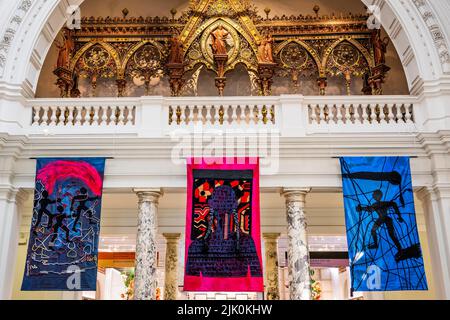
[[223, 243]]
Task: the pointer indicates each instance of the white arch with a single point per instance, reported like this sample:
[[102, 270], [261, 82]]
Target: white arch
[[435, 15], [32, 27], [412, 39]]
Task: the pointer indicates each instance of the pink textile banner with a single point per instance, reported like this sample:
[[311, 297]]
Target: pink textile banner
[[223, 242]]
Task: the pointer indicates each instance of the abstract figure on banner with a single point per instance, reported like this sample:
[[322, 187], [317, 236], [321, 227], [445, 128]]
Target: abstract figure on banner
[[60, 224], [222, 244], [65, 225], [82, 198], [382, 208], [381, 225], [44, 203]]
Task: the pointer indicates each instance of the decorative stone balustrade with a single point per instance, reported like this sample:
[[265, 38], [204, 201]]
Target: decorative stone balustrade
[[222, 114], [291, 115], [349, 114], [79, 113]]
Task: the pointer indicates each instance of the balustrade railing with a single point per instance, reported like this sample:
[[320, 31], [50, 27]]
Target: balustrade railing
[[79, 113], [360, 113], [222, 114], [295, 115]]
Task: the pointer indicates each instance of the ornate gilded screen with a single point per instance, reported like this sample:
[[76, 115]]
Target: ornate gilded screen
[[141, 56]]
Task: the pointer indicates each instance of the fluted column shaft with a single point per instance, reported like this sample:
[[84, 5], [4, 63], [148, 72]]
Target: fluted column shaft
[[171, 266], [271, 251], [298, 253], [146, 264]]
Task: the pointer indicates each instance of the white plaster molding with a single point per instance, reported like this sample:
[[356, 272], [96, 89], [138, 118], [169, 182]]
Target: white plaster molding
[[437, 33], [9, 34]]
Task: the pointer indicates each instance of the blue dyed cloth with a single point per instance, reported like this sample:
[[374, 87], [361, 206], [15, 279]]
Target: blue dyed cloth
[[65, 226], [383, 241]]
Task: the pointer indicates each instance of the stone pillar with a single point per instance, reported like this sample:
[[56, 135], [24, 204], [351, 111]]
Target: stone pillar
[[10, 202], [145, 273], [271, 249], [298, 253], [171, 267], [436, 206]]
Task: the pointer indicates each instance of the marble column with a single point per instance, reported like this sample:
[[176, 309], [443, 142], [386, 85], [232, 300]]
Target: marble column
[[11, 201], [171, 267], [271, 250], [298, 253], [146, 264]]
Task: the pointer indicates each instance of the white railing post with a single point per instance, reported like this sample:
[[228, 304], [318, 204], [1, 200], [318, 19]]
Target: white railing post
[[365, 114], [151, 118], [381, 107], [121, 120], [95, 116], [373, 114], [409, 113], [347, 113], [294, 116], [322, 120], [339, 116], [70, 110], [312, 115], [104, 117], [53, 117], [391, 116], [78, 116], [36, 116]]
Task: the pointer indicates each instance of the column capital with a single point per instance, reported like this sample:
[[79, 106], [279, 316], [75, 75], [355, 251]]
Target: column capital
[[11, 194], [172, 237], [295, 194], [271, 236], [149, 195], [442, 190], [434, 192], [425, 192]]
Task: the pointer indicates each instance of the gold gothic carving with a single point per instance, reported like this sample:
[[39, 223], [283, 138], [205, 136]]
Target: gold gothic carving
[[218, 36]]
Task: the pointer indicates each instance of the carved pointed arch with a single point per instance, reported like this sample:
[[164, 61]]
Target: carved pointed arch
[[308, 48], [110, 49], [367, 56], [133, 50], [250, 39], [245, 46], [199, 7]]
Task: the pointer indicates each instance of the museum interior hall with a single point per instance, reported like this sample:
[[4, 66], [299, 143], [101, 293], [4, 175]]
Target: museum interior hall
[[225, 150]]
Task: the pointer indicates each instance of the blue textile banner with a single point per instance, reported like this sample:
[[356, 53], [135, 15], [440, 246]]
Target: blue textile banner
[[383, 241], [63, 243]]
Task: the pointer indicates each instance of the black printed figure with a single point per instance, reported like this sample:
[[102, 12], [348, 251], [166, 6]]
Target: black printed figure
[[392, 177], [59, 224], [82, 198], [224, 252], [223, 206], [44, 202], [382, 208]]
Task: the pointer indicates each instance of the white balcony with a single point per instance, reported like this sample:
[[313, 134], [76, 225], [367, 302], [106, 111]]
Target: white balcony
[[291, 115]]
